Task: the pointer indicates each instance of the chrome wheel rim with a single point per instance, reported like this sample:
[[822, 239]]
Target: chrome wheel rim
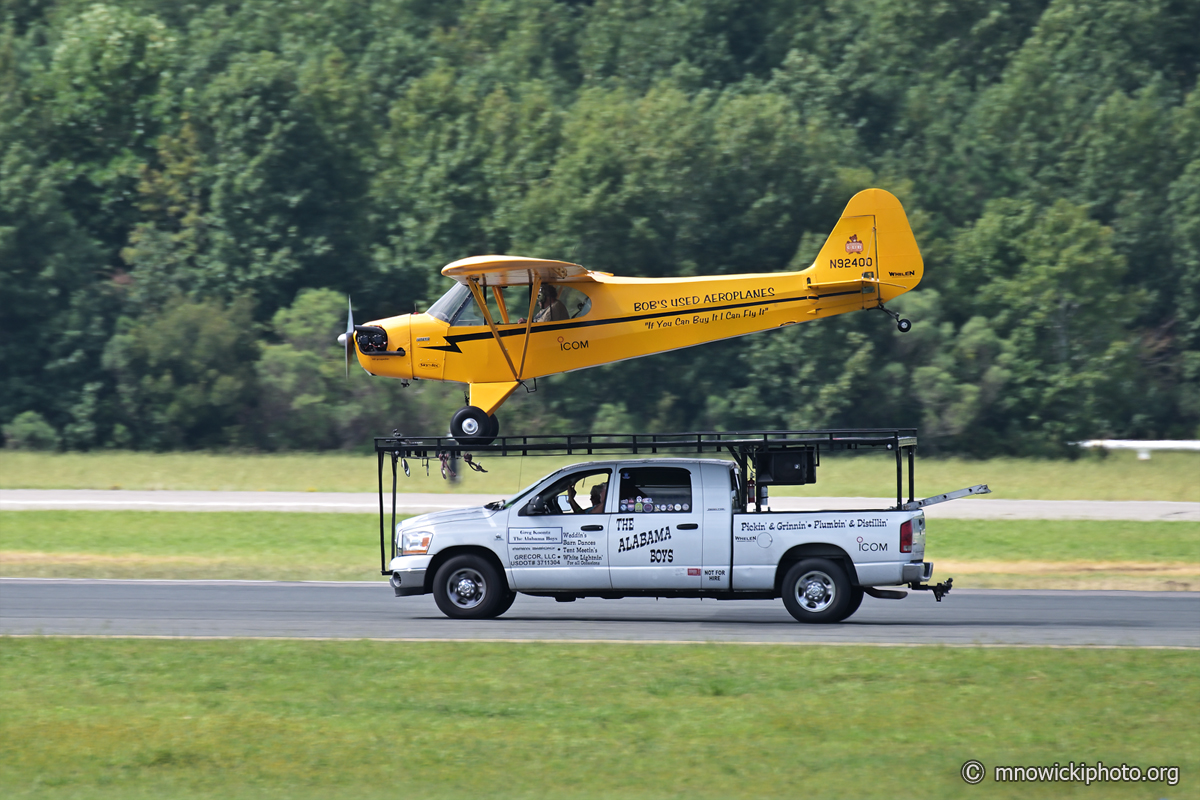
[[815, 591], [470, 426], [466, 588]]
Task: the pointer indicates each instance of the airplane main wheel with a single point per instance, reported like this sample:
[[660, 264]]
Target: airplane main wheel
[[471, 426], [904, 326]]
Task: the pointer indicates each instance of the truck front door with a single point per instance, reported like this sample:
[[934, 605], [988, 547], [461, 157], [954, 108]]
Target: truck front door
[[559, 539], [655, 541]]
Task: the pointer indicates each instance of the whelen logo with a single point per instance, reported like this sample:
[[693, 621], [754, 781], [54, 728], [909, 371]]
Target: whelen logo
[[854, 245]]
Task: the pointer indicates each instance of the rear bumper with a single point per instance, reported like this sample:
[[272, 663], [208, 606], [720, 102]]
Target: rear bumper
[[892, 573], [920, 572]]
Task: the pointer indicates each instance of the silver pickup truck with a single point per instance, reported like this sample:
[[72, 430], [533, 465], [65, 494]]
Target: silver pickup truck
[[660, 527]]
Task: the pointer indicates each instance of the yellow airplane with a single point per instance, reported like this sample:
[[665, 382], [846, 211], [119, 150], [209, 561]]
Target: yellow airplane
[[488, 333]]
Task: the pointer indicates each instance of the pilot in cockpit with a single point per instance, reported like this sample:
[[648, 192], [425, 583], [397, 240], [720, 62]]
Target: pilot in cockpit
[[551, 309]]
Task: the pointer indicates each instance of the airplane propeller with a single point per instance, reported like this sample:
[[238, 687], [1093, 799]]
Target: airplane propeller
[[347, 338]]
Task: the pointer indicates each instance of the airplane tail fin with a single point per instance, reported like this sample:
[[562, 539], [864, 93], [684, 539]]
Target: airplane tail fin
[[873, 246]]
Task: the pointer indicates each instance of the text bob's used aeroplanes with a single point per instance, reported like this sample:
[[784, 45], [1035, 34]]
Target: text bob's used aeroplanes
[[510, 319]]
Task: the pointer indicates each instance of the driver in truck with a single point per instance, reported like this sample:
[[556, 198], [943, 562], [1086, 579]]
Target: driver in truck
[[598, 495]]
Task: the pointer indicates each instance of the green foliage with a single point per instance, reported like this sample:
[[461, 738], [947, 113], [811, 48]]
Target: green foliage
[[29, 430], [1047, 152], [185, 377]]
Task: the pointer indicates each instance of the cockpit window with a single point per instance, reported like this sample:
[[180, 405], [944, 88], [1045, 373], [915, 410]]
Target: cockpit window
[[449, 304], [576, 303], [458, 308]]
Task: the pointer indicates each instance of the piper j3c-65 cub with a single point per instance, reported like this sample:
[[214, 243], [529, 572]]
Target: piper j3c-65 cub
[[493, 334]]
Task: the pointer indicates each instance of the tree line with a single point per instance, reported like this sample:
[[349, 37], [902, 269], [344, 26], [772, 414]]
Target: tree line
[[188, 193]]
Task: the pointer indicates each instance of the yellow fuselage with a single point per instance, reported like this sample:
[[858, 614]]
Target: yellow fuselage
[[628, 318]]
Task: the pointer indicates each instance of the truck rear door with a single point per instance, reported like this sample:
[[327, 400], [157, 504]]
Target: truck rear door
[[720, 491], [655, 538]]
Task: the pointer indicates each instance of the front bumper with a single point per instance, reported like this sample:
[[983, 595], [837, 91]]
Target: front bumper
[[408, 575]]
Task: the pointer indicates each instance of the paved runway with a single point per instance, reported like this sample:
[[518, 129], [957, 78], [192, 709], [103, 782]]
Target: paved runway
[[967, 508], [369, 610]]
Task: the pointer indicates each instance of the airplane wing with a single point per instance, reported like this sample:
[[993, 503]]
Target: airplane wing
[[515, 270]]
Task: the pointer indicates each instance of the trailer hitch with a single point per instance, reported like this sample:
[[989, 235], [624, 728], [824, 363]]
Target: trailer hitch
[[939, 590]]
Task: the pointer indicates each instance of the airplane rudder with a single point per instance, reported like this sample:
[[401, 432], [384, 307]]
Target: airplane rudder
[[900, 261], [900, 266]]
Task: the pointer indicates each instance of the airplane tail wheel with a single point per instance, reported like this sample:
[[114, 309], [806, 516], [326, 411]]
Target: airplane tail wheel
[[471, 426], [904, 326]]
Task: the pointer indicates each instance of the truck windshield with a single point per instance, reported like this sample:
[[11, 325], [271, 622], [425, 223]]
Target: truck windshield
[[521, 496]]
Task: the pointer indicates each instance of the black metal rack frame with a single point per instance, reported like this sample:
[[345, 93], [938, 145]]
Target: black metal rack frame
[[742, 446]]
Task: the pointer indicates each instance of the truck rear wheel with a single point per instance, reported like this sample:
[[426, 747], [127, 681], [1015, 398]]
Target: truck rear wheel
[[817, 590], [468, 587]]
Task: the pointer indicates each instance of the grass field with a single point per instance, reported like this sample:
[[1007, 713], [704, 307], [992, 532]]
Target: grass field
[[1120, 476], [164, 544], [157, 544], [226, 719]]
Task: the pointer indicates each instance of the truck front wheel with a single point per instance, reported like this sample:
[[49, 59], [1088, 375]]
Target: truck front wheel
[[468, 587], [817, 590]]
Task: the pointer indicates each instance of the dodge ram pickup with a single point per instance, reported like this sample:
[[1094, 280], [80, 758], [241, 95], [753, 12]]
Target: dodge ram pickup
[[659, 527]]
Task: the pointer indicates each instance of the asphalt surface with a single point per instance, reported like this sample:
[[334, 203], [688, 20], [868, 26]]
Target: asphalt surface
[[356, 503], [369, 610]]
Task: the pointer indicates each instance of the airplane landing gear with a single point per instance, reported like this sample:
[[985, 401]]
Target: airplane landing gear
[[902, 325], [470, 425]]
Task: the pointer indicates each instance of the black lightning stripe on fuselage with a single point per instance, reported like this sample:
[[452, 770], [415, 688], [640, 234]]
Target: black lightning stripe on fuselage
[[453, 339]]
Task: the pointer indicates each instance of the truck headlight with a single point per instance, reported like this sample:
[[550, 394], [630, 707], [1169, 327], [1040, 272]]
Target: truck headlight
[[415, 543]]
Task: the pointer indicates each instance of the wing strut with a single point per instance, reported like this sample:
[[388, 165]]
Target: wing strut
[[535, 286], [500, 304], [473, 285]]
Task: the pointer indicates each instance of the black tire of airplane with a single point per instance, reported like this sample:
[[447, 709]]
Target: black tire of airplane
[[470, 425], [828, 601], [493, 427], [904, 326], [469, 587]]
